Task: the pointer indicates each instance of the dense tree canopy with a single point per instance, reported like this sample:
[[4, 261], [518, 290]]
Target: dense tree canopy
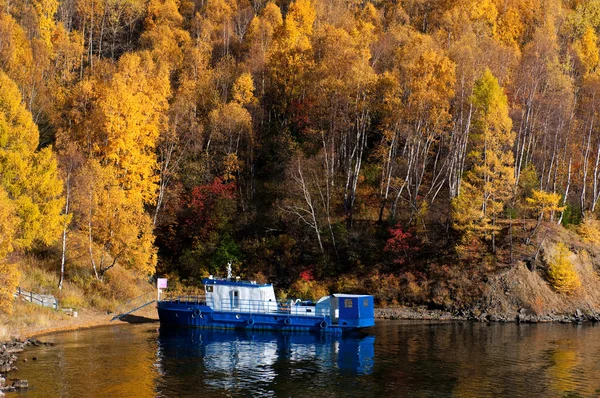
[[291, 137]]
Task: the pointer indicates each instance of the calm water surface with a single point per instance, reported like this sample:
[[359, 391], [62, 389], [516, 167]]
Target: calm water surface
[[401, 359]]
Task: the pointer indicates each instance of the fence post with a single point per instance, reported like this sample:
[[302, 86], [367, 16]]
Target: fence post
[[31, 297]]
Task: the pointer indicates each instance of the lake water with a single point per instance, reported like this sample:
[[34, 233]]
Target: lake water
[[395, 358]]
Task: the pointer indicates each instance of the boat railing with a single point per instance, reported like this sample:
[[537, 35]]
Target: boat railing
[[267, 307], [188, 299]]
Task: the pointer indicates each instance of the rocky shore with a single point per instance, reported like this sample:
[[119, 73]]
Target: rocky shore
[[8, 359], [521, 316], [416, 313]]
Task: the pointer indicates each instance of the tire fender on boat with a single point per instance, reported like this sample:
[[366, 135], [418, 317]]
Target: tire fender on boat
[[323, 324], [250, 322], [287, 321]]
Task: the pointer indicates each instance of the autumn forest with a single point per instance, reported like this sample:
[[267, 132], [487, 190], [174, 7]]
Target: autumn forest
[[409, 149]]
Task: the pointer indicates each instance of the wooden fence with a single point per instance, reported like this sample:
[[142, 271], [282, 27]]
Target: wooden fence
[[45, 300]]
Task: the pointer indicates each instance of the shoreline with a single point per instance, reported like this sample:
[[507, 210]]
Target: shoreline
[[26, 325], [96, 321], [403, 313], [91, 319], [91, 322], [523, 315]]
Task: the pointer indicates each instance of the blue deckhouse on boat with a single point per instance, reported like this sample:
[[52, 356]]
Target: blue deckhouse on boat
[[234, 304]]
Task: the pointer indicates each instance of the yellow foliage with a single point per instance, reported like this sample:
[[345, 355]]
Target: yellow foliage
[[348, 284], [587, 50], [308, 290], [431, 87], [164, 34], [544, 202], [510, 27], [45, 10], [491, 108], [68, 47], [16, 56], [297, 28], [218, 12], [243, 90], [347, 64], [484, 11], [117, 120], [489, 182], [29, 178], [230, 124], [231, 166], [289, 55], [272, 14], [561, 271], [589, 229], [467, 208], [302, 16], [18, 132], [8, 226], [119, 226], [130, 116], [163, 12], [421, 217], [9, 280], [260, 34]]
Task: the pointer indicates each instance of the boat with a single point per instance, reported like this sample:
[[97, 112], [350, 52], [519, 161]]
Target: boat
[[231, 303]]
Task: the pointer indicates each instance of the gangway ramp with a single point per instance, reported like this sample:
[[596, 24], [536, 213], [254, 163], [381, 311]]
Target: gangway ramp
[[134, 304]]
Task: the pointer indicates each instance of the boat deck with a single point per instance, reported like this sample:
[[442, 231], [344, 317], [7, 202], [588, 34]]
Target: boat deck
[[242, 306]]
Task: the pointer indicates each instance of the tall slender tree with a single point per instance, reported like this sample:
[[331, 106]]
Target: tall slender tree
[[488, 182]]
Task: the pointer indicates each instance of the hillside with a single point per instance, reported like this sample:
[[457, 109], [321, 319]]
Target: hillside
[[525, 288], [422, 151]]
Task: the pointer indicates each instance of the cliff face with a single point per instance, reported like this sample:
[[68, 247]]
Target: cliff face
[[528, 289]]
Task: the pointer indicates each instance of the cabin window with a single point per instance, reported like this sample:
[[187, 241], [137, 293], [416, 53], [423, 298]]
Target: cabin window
[[235, 302], [209, 289], [348, 303], [366, 302]]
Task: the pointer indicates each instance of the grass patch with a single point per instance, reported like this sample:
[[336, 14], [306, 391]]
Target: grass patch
[[35, 278], [71, 297], [28, 316]]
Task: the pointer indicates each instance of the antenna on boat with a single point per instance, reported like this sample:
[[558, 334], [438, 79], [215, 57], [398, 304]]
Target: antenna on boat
[[229, 270]]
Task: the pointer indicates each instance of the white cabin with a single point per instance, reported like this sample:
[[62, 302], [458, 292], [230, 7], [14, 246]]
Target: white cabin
[[239, 296]]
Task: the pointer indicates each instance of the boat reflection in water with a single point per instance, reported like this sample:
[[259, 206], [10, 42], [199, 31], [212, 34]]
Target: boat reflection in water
[[265, 362]]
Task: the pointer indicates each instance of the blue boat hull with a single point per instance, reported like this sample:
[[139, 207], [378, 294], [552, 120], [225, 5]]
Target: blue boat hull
[[202, 316]]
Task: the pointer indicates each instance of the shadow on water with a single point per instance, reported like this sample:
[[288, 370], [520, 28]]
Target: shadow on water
[[265, 363], [137, 319]]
